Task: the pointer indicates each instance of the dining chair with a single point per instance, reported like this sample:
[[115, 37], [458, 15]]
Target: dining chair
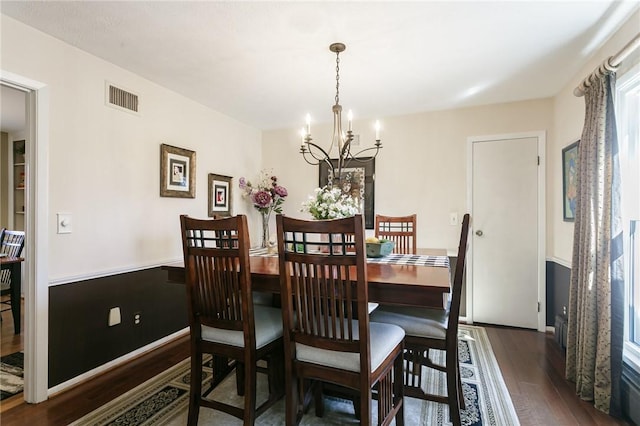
[[223, 319], [11, 245], [399, 229], [328, 336], [427, 329]]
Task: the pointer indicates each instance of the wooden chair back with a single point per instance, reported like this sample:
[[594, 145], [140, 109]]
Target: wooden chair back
[[218, 277], [323, 282], [456, 290], [399, 229], [11, 244]]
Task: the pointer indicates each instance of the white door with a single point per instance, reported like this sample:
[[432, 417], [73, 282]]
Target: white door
[[506, 261]]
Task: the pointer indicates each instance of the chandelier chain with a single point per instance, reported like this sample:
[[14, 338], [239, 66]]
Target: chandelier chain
[[337, 78]]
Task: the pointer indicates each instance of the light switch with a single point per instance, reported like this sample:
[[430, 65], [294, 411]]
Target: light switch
[[453, 219], [64, 223]]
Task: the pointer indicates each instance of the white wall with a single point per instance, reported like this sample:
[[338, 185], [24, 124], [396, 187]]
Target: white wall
[[569, 120], [422, 167], [104, 163]]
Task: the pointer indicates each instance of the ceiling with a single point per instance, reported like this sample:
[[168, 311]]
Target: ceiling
[[268, 63]]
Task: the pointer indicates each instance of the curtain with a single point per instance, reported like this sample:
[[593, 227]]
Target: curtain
[[596, 292]]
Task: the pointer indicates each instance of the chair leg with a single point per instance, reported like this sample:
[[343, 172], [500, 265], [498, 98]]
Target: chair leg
[[195, 386], [398, 388], [365, 407], [452, 390], [249, 391], [460, 393], [291, 397], [275, 374], [357, 408], [318, 398], [240, 378]]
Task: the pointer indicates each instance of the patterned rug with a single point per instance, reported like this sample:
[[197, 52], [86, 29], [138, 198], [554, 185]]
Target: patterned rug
[[163, 400], [11, 376]]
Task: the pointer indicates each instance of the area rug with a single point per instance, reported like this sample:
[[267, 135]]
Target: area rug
[[11, 375], [163, 400]]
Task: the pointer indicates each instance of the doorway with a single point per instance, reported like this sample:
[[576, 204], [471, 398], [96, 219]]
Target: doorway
[[36, 272], [506, 259]]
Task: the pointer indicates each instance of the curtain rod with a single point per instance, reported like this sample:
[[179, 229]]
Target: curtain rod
[[609, 64]]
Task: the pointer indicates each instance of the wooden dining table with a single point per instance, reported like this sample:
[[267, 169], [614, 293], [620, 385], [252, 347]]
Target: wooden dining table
[[389, 283], [14, 264]]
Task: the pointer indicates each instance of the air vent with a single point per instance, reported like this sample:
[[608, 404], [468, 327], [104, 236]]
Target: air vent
[[122, 99]]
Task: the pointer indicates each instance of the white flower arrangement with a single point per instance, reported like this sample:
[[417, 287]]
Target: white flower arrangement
[[330, 204]]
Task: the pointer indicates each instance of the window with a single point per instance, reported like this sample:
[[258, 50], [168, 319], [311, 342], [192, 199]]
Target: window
[[628, 120]]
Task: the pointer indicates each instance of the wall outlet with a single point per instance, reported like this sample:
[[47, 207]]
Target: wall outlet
[[114, 316], [137, 318]]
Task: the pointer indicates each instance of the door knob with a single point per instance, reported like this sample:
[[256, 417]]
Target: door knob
[[479, 233]]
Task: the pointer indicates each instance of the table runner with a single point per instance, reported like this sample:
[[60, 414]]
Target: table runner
[[397, 259], [412, 259]]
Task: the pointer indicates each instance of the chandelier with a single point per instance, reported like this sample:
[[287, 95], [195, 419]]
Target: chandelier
[[315, 154]]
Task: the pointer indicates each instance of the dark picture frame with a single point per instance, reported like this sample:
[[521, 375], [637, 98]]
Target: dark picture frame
[[368, 166], [569, 181], [177, 172], [220, 191]]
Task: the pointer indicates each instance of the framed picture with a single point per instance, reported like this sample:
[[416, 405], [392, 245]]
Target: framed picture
[[569, 181], [177, 172], [359, 180], [219, 195]]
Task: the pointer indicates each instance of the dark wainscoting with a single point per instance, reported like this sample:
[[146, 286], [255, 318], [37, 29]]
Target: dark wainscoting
[[79, 336], [557, 290], [631, 394], [558, 277]]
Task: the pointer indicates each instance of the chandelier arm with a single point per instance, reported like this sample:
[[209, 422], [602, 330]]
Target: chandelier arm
[[317, 158], [318, 161], [346, 149], [319, 148], [354, 157]]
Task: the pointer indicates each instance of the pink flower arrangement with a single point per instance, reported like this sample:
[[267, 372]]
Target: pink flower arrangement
[[267, 196]]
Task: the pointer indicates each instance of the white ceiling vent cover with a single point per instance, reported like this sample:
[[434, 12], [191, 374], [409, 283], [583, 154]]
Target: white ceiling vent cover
[[122, 99]]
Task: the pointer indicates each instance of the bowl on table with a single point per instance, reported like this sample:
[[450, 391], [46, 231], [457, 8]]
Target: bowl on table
[[379, 249]]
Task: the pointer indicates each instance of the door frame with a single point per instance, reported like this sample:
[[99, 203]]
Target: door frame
[[541, 279], [35, 327]]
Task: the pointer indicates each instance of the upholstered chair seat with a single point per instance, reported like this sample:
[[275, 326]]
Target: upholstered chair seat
[[415, 321], [382, 339], [268, 327]]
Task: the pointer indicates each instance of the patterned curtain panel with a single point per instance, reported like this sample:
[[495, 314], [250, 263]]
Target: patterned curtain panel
[[595, 329]]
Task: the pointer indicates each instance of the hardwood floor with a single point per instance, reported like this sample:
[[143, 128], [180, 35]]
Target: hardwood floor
[[9, 342], [532, 365]]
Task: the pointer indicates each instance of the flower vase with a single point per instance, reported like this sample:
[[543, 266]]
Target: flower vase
[[265, 229]]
